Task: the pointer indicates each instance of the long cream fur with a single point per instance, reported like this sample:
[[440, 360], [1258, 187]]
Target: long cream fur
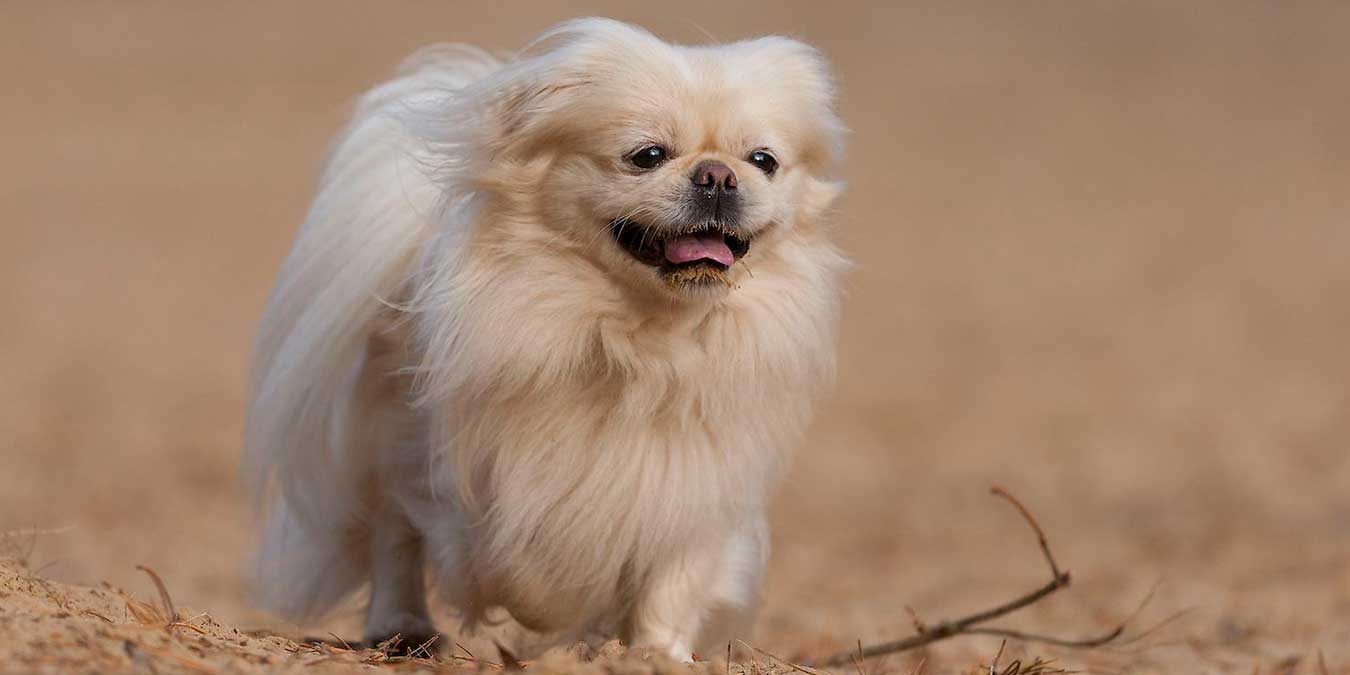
[[460, 370]]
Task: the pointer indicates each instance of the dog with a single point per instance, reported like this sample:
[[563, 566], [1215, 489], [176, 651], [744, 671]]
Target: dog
[[548, 336]]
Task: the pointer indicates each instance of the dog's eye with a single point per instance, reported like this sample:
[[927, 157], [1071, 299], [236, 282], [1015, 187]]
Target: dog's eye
[[649, 157], [764, 161]]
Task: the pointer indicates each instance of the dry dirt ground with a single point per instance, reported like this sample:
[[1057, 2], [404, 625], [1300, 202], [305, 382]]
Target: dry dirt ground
[[1102, 260]]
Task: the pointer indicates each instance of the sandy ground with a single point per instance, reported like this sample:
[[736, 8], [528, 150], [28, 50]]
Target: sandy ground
[[1102, 260], [54, 627]]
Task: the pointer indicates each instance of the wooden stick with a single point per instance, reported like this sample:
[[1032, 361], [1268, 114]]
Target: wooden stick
[[970, 625]]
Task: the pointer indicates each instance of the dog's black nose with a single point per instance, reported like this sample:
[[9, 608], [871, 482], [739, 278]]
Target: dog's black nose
[[712, 175]]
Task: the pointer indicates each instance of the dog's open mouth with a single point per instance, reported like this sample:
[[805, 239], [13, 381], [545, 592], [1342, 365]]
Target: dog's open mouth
[[690, 255]]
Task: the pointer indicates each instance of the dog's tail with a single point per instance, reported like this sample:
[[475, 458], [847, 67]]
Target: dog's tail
[[378, 200]]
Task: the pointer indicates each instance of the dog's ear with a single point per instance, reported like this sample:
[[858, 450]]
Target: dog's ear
[[550, 78], [527, 112]]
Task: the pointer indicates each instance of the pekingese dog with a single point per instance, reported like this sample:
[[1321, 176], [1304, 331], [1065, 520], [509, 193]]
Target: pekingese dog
[[548, 335]]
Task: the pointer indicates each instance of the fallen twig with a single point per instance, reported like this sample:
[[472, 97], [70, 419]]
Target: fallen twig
[[170, 613], [993, 665], [180, 624], [423, 651], [794, 666], [970, 625]]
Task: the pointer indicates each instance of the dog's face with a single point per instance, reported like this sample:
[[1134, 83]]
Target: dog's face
[[674, 169]]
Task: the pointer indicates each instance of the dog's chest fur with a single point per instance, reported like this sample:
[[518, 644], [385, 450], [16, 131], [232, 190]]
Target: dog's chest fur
[[587, 453]]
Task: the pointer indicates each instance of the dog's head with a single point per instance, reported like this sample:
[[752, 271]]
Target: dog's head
[[669, 168]]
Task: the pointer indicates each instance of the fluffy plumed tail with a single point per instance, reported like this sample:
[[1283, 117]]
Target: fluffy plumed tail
[[377, 202]]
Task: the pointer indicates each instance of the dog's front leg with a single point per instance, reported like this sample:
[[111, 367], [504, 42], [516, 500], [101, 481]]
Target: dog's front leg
[[671, 606], [398, 601]]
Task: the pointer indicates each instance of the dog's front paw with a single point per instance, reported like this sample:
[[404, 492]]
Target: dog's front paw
[[404, 636]]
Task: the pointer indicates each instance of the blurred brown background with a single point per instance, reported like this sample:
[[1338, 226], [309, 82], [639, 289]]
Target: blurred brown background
[[1102, 259]]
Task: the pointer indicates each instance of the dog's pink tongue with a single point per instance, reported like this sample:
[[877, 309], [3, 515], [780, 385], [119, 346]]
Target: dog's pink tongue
[[707, 245]]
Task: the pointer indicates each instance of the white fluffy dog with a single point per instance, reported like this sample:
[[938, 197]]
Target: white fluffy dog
[[548, 336]]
